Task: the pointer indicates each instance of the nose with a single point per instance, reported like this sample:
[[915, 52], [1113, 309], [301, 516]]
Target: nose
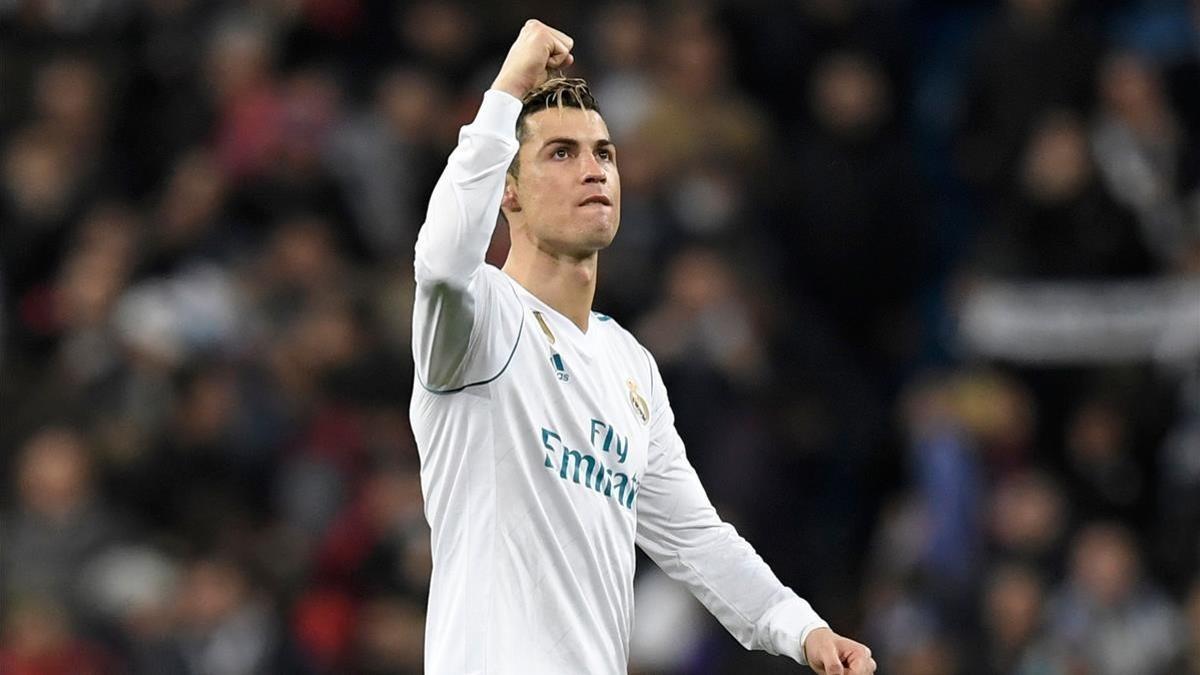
[[593, 171]]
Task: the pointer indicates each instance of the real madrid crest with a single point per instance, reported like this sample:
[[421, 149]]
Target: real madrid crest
[[639, 402]]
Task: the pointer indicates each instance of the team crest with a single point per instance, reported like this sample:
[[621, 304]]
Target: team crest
[[639, 403]]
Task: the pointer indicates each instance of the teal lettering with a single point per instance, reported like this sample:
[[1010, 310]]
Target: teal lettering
[[596, 426], [595, 474], [621, 446], [632, 494], [546, 436], [604, 481], [622, 484], [580, 459]]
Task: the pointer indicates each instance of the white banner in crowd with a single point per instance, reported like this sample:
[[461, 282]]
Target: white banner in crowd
[[1083, 322]]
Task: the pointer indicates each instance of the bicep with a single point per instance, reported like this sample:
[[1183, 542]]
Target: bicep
[[463, 333]]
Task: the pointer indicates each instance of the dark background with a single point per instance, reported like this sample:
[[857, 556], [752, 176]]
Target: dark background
[[207, 213]]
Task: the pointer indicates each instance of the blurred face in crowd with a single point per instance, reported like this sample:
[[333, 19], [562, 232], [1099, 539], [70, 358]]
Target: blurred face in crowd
[[411, 102], [1013, 605], [390, 636], [37, 173], [1027, 514], [440, 30], [54, 474], [238, 60], [1056, 166], [1097, 444], [699, 279], [623, 34], [211, 591], [850, 95], [1133, 91], [193, 199], [34, 629], [565, 198], [1105, 564], [696, 59], [998, 411], [70, 94], [302, 255]]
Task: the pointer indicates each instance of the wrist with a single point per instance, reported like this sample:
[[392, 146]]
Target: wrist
[[511, 88], [804, 640]]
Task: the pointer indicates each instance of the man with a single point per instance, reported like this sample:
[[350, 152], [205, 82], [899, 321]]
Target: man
[[547, 442]]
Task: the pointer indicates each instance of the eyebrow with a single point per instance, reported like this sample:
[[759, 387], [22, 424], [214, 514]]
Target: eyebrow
[[571, 142]]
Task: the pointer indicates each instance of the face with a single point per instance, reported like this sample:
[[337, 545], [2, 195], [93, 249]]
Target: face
[[566, 199], [1105, 564]]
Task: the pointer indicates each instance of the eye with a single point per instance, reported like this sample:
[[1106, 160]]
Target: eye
[[604, 154], [560, 153]]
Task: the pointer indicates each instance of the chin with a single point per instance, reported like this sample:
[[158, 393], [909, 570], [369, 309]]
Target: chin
[[589, 243], [602, 237]]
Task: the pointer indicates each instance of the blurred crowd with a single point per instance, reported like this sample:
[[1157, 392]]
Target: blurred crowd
[[207, 215]]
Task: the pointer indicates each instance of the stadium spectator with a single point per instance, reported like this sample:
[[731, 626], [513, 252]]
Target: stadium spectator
[[207, 212]]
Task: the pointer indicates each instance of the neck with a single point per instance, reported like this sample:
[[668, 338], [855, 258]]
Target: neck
[[566, 283]]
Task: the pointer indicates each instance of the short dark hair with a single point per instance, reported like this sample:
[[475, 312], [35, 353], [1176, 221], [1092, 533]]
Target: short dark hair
[[563, 92]]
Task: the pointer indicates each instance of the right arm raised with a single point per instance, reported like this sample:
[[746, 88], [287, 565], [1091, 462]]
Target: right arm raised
[[452, 293], [460, 332]]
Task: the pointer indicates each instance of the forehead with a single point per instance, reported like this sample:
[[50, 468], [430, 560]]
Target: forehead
[[585, 126]]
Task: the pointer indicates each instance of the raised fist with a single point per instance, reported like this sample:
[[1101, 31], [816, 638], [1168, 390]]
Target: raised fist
[[537, 50]]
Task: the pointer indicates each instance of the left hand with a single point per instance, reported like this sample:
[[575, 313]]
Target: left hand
[[831, 654]]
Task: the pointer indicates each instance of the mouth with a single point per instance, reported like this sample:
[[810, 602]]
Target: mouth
[[596, 199]]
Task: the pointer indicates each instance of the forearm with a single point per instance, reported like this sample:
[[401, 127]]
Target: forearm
[[732, 581], [466, 200], [454, 239], [679, 528]]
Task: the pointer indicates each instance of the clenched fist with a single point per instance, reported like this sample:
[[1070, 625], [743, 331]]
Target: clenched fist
[[537, 50], [831, 654]]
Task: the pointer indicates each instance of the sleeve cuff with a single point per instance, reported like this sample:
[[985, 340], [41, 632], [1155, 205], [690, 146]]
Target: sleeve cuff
[[498, 113], [788, 625], [819, 623]]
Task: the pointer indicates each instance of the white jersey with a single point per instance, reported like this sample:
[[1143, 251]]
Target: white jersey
[[547, 453]]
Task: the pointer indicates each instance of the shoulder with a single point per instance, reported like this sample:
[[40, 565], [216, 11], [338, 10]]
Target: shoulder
[[615, 332], [493, 275], [500, 286], [625, 341]]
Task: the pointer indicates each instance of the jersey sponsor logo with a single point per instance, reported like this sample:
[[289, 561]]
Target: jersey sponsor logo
[[556, 359], [638, 401], [593, 470], [560, 370]]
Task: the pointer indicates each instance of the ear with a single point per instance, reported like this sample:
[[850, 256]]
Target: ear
[[509, 201]]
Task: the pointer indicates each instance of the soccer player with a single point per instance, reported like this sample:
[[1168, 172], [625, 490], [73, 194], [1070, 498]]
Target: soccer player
[[547, 442]]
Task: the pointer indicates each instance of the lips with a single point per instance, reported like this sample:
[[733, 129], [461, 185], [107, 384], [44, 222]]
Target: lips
[[597, 199]]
